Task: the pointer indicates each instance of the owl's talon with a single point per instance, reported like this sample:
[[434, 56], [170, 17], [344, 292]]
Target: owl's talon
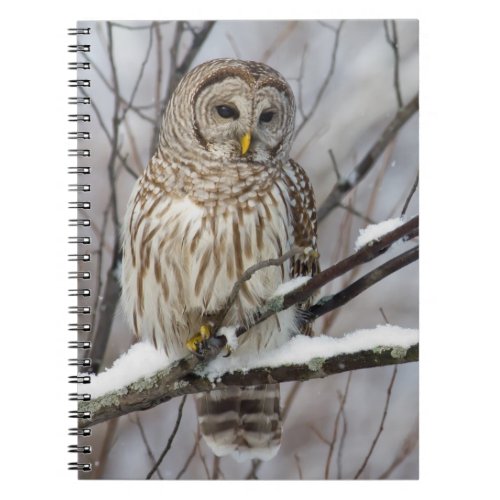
[[195, 343]]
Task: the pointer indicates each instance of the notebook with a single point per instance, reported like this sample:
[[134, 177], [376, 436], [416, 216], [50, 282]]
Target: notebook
[[244, 233]]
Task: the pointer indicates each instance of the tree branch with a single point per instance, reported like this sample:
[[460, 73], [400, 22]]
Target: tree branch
[[345, 185], [159, 388], [176, 375]]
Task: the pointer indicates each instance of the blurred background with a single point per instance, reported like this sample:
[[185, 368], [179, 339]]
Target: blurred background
[[349, 78]]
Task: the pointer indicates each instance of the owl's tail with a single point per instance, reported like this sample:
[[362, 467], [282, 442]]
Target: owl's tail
[[242, 421]]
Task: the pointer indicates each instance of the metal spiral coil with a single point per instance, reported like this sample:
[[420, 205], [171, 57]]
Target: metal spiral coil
[[81, 117]]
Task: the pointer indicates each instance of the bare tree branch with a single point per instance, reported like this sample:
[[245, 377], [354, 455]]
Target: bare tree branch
[[325, 83], [410, 195], [381, 427], [146, 444], [159, 388], [172, 376], [331, 444], [407, 447], [170, 439], [345, 185], [392, 40], [190, 456]]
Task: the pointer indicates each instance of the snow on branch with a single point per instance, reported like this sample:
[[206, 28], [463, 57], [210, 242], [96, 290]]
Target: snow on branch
[[302, 358], [131, 389]]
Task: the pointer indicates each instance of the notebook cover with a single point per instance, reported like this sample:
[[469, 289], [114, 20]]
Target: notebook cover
[[349, 394]]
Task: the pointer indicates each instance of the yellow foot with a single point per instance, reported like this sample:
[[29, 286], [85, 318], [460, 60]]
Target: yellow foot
[[195, 344]]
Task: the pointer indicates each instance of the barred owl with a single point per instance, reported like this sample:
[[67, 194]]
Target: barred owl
[[219, 195]]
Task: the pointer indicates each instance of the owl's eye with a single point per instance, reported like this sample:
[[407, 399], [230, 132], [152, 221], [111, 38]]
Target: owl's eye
[[266, 116], [227, 112]]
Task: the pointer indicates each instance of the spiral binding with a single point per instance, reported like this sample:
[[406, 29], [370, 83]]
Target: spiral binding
[[81, 326]]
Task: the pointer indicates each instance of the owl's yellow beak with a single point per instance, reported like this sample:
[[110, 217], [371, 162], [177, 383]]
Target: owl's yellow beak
[[245, 143]]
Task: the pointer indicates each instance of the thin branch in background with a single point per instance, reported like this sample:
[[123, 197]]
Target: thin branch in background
[[346, 184], [392, 40], [356, 213], [252, 474], [292, 394], [319, 435], [341, 250], [410, 195], [325, 83], [158, 84], [146, 444], [114, 134], [109, 86], [331, 27], [377, 185], [406, 449], [140, 75], [381, 427], [107, 444], [170, 439], [216, 467], [144, 27], [335, 427], [334, 164], [234, 45], [383, 314], [134, 150], [300, 100], [202, 458], [342, 439], [297, 462], [98, 272], [279, 40], [190, 456]]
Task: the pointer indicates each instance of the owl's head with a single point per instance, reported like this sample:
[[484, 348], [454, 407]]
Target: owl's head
[[233, 110]]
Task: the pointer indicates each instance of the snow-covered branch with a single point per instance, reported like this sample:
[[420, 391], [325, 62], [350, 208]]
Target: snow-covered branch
[[138, 384], [302, 358]]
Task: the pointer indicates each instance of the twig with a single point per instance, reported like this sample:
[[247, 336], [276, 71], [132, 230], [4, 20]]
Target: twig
[[107, 444], [342, 441], [146, 444], [410, 195], [215, 467], [335, 427], [141, 73], [297, 461], [289, 399], [319, 435], [393, 42], [407, 447], [252, 474], [203, 461], [357, 213], [345, 185], [279, 40], [190, 456], [132, 28], [221, 316], [170, 439], [325, 83], [381, 427], [335, 164]]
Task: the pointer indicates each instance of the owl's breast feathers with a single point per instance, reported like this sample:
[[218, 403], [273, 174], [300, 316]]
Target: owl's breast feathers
[[187, 239]]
